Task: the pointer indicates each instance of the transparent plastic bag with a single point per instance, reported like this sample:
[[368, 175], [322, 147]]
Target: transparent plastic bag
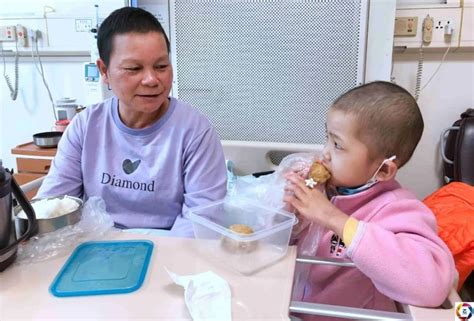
[[270, 189], [95, 223], [307, 246]]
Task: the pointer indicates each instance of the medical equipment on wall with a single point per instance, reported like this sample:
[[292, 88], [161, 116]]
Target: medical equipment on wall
[[95, 88], [92, 84], [428, 28]]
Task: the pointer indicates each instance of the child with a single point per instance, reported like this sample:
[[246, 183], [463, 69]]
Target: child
[[390, 235]]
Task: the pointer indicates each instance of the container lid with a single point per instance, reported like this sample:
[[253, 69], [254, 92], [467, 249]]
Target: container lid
[[103, 268]]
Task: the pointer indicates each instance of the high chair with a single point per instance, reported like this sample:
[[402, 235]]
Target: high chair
[[405, 312]]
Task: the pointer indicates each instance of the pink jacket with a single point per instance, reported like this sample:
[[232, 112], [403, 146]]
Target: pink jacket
[[396, 249]]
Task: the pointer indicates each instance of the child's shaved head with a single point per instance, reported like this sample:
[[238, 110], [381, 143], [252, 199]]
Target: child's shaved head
[[389, 121]]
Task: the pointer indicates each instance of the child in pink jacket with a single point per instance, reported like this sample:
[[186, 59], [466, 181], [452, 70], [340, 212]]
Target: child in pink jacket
[[370, 219]]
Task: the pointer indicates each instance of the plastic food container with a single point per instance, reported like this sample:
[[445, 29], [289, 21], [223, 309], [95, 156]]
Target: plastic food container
[[245, 253]]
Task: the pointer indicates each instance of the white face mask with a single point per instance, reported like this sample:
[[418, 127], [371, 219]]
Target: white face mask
[[370, 182]]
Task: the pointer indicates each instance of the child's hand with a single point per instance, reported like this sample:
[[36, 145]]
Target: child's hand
[[313, 204]]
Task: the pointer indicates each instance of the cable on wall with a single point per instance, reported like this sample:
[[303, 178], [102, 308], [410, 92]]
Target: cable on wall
[[419, 72], [437, 69], [13, 89], [40, 69]]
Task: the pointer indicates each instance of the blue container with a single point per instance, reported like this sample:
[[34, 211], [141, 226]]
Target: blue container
[[107, 267]]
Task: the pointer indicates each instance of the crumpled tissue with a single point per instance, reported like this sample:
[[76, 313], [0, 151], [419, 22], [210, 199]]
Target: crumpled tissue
[[206, 295]]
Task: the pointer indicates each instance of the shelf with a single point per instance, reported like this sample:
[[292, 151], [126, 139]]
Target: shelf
[[31, 149]]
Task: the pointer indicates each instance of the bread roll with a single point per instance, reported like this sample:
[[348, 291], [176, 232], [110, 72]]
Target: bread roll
[[241, 229], [237, 247], [319, 173]]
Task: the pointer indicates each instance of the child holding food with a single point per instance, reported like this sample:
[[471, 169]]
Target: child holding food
[[391, 237]]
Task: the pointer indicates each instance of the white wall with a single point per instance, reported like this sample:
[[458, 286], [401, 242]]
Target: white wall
[[441, 102], [32, 112]]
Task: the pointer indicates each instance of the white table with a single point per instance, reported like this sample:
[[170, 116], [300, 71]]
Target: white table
[[265, 295]]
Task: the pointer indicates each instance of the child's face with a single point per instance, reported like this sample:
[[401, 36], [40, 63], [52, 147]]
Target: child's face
[[344, 155]]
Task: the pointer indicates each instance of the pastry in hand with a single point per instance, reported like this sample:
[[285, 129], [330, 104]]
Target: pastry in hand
[[234, 246], [319, 173]]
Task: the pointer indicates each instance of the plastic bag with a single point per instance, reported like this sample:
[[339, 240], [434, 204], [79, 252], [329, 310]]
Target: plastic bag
[[95, 223], [269, 189], [308, 246]]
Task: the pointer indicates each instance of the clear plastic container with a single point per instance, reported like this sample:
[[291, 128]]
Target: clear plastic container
[[245, 253]]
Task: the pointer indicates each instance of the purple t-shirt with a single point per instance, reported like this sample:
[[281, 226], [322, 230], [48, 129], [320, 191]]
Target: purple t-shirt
[[147, 177]]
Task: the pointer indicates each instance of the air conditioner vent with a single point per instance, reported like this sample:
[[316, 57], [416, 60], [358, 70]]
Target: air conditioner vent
[[267, 71]]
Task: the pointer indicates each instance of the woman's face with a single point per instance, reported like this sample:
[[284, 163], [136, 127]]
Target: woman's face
[[344, 155], [139, 73]]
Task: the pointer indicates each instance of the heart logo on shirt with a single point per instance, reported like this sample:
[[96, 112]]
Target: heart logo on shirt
[[129, 167]]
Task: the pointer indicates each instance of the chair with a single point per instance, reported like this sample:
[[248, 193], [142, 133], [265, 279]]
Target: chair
[[406, 312]]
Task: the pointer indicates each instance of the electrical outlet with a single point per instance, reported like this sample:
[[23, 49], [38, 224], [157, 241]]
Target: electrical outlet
[[406, 26], [7, 33], [444, 26], [21, 36], [440, 24], [83, 25]]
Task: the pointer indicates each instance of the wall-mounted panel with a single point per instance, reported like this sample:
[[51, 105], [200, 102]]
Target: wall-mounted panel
[[442, 18], [267, 71], [61, 26]]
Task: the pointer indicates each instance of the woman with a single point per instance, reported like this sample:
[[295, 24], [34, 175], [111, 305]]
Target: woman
[[147, 155]]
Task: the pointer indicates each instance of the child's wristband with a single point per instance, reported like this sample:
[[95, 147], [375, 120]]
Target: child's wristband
[[349, 231]]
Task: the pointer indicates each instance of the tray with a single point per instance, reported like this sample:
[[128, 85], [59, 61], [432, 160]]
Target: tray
[[107, 267]]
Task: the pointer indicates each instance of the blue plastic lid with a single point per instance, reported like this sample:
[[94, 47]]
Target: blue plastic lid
[[103, 268]]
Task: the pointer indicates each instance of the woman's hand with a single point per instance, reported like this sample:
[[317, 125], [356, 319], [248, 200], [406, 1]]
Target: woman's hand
[[313, 204]]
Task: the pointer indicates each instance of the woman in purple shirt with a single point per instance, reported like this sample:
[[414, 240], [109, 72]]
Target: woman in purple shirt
[[148, 155]]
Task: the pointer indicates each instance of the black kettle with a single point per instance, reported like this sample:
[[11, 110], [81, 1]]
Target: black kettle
[[8, 238]]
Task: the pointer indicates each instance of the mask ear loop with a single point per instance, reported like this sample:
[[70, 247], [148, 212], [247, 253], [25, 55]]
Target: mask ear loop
[[390, 159]]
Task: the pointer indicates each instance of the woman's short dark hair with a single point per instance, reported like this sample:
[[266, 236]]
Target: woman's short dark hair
[[125, 20]]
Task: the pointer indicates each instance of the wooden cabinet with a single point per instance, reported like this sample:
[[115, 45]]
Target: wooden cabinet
[[32, 162]]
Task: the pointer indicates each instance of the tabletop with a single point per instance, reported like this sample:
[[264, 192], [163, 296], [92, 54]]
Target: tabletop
[[24, 293]]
